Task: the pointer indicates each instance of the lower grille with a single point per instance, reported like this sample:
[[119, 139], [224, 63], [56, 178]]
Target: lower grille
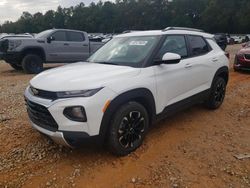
[[41, 116], [247, 56]]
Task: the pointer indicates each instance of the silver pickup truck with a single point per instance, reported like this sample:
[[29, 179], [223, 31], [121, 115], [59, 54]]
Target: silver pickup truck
[[50, 46]]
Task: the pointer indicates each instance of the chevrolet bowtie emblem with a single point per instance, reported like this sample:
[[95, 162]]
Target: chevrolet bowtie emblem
[[34, 91]]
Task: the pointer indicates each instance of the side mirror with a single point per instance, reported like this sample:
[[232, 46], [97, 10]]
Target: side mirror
[[50, 39], [171, 58]]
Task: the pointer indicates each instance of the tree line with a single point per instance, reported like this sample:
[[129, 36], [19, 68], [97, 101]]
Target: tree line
[[230, 16]]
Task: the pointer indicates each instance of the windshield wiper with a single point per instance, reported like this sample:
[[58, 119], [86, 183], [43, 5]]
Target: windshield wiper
[[106, 63]]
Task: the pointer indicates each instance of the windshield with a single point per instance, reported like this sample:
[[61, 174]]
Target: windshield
[[43, 34], [129, 51]]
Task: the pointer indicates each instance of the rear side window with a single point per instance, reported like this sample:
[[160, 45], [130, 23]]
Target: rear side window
[[174, 44], [198, 45], [75, 37], [60, 36]]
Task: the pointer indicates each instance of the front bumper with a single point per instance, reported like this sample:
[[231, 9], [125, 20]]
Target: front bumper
[[65, 138], [11, 57], [240, 64], [68, 132], [57, 136]]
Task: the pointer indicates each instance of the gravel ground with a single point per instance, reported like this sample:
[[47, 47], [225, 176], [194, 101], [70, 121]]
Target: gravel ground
[[194, 148]]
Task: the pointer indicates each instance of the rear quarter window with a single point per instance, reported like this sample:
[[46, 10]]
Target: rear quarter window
[[198, 45]]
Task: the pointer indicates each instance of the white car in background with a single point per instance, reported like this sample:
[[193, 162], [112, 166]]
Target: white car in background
[[133, 80], [237, 39]]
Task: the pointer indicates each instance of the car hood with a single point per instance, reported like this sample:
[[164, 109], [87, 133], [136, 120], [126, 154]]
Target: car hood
[[19, 38], [81, 76]]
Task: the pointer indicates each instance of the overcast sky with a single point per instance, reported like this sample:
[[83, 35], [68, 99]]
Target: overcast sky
[[12, 9]]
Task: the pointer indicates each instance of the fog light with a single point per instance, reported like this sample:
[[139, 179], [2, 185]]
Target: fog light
[[75, 113]]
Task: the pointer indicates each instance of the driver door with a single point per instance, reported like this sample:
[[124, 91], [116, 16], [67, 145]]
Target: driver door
[[173, 81], [58, 48]]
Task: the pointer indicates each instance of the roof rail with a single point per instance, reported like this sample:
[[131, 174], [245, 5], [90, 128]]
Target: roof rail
[[130, 31], [182, 28]]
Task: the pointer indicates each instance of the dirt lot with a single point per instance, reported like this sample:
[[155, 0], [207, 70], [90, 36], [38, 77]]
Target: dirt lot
[[194, 148]]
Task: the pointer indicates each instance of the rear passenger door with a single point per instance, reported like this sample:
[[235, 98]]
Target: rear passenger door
[[176, 82], [79, 46], [200, 63], [58, 49]]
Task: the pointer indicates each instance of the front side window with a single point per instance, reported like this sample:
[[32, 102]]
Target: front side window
[[59, 36], [174, 44], [128, 51], [75, 37], [198, 46]]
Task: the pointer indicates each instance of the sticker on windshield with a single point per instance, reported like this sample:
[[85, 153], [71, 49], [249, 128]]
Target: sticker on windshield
[[138, 43]]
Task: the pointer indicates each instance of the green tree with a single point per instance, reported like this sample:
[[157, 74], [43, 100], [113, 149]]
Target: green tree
[[230, 16]]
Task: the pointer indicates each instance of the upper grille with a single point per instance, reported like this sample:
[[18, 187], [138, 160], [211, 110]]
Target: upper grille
[[247, 56], [41, 116], [43, 94]]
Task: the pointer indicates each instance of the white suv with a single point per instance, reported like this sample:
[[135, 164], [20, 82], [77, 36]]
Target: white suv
[[126, 85]]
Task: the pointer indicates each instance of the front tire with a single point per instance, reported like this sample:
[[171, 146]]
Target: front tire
[[32, 64], [217, 94], [128, 129]]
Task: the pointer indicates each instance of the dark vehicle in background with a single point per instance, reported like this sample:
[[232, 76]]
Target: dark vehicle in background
[[221, 40], [247, 38], [242, 58]]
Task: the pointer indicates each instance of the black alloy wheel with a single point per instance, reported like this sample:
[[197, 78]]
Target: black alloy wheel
[[220, 91], [131, 129], [217, 93], [128, 128]]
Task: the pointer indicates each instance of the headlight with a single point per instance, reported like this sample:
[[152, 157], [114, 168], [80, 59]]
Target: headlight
[[13, 44], [80, 93]]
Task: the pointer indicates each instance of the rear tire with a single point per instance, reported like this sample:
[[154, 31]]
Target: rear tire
[[32, 64], [128, 129], [217, 94], [16, 66]]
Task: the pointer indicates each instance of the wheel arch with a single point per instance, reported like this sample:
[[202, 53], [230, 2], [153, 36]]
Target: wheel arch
[[34, 50], [141, 95], [222, 72]]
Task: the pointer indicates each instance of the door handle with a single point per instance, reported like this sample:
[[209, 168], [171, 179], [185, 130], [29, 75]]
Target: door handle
[[188, 65], [215, 59], [66, 44], [84, 45]]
